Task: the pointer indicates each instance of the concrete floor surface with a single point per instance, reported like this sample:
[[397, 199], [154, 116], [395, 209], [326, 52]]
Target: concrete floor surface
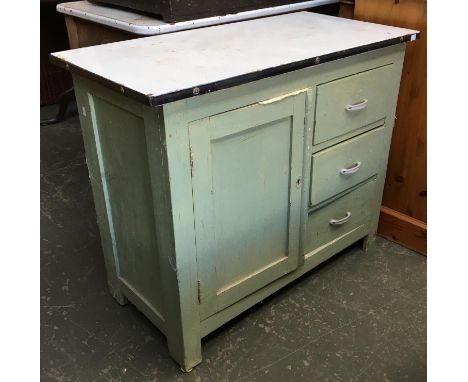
[[357, 317]]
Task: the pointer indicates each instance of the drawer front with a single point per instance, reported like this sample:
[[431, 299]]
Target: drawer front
[[344, 215], [347, 164], [352, 102]]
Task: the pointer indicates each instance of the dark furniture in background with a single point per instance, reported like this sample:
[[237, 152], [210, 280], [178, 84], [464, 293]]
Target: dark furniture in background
[[175, 10], [54, 80]]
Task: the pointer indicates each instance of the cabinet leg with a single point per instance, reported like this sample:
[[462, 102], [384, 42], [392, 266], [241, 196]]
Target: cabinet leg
[[117, 294], [186, 352], [368, 241], [120, 298]]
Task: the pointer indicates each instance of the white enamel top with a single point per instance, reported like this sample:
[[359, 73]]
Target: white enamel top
[[160, 65], [146, 25]]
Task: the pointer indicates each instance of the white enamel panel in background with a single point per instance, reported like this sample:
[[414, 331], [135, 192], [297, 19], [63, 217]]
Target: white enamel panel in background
[[147, 25]]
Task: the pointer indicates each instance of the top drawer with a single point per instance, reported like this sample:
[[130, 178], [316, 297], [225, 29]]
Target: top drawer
[[352, 102]]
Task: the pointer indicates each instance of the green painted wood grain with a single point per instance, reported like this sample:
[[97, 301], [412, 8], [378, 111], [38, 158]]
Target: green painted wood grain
[[204, 204], [247, 183], [331, 117], [127, 179], [326, 178], [181, 282], [320, 231], [96, 171]]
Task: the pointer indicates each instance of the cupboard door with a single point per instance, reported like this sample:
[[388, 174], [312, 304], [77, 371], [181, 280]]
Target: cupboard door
[[247, 185]]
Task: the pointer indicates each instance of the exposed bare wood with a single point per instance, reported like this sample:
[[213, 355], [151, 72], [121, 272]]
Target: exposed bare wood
[[406, 183], [346, 9], [73, 39], [82, 33], [403, 229]]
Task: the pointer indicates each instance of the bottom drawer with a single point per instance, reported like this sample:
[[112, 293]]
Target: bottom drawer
[[340, 217]]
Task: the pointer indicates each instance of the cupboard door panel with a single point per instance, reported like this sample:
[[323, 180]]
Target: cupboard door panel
[[246, 179]]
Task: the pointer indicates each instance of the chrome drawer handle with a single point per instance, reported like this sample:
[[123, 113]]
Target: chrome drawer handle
[[351, 170], [342, 220], [358, 106]]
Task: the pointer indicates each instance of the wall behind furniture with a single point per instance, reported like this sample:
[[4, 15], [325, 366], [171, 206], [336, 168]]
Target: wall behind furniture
[[404, 209]]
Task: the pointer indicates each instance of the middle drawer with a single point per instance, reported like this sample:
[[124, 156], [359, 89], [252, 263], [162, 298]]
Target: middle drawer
[[345, 165]]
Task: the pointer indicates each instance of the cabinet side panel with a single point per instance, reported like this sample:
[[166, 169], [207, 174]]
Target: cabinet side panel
[[93, 164], [124, 169]]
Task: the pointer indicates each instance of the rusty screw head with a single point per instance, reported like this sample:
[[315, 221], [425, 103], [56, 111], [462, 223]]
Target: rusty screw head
[[196, 91]]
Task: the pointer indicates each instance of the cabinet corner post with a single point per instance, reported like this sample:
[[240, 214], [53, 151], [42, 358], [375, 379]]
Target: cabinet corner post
[[170, 172]]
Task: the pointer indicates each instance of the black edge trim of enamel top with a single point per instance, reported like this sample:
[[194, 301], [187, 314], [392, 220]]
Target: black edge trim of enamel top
[[151, 100]]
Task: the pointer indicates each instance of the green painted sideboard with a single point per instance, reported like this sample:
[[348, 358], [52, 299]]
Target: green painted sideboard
[[218, 176]]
